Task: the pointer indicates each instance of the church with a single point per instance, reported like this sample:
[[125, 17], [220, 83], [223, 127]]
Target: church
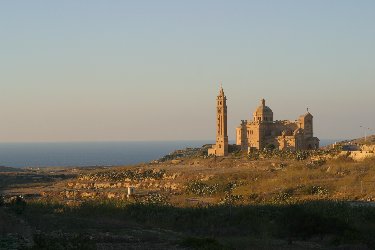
[[262, 131]]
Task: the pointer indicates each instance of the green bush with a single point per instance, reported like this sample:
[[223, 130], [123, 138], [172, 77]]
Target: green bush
[[200, 188], [302, 155], [137, 175], [315, 190], [154, 199], [230, 199], [254, 197], [283, 196], [254, 156]]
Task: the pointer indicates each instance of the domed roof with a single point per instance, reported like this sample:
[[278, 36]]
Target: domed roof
[[263, 109]]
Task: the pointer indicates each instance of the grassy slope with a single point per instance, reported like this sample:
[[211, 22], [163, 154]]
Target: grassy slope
[[283, 201]]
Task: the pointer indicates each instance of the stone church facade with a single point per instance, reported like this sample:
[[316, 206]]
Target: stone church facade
[[262, 131]]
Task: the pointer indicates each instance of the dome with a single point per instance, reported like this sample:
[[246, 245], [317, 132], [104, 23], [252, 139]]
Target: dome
[[263, 112], [263, 109]]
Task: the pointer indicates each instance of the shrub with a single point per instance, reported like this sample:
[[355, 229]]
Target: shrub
[[254, 156], [270, 147], [231, 199], [18, 204], [201, 188], [269, 153], [283, 196], [232, 185], [315, 190], [254, 197], [302, 155], [315, 163], [137, 175], [154, 199]]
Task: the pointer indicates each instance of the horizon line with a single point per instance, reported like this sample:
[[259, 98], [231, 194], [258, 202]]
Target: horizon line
[[113, 141]]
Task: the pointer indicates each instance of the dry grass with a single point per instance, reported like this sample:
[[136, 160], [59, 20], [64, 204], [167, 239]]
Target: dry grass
[[260, 181], [246, 198]]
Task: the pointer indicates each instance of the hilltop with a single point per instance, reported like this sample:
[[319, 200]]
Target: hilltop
[[370, 140], [4, 169]]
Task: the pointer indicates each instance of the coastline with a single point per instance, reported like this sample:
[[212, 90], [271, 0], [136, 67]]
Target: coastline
[[91, 154]]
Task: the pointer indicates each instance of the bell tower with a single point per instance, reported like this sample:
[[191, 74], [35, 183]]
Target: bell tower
[[221, 146]]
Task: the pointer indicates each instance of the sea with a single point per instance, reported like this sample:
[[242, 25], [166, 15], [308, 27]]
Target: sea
[[89, 154]]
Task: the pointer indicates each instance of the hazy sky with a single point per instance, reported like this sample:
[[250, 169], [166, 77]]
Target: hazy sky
[[150, 70]]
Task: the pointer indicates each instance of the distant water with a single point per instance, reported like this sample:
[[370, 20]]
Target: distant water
[[87, 153], [90, 153], [325, 142]]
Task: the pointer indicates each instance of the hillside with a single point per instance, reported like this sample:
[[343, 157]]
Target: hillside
[[370, 140], [285, 200], [9, 169]]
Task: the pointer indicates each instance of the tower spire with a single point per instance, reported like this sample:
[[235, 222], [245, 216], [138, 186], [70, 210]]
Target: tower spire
[[221, 146], [221, 90], [263, 102]]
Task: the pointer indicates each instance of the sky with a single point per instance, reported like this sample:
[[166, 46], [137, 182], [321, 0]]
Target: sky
[[112, 70]]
